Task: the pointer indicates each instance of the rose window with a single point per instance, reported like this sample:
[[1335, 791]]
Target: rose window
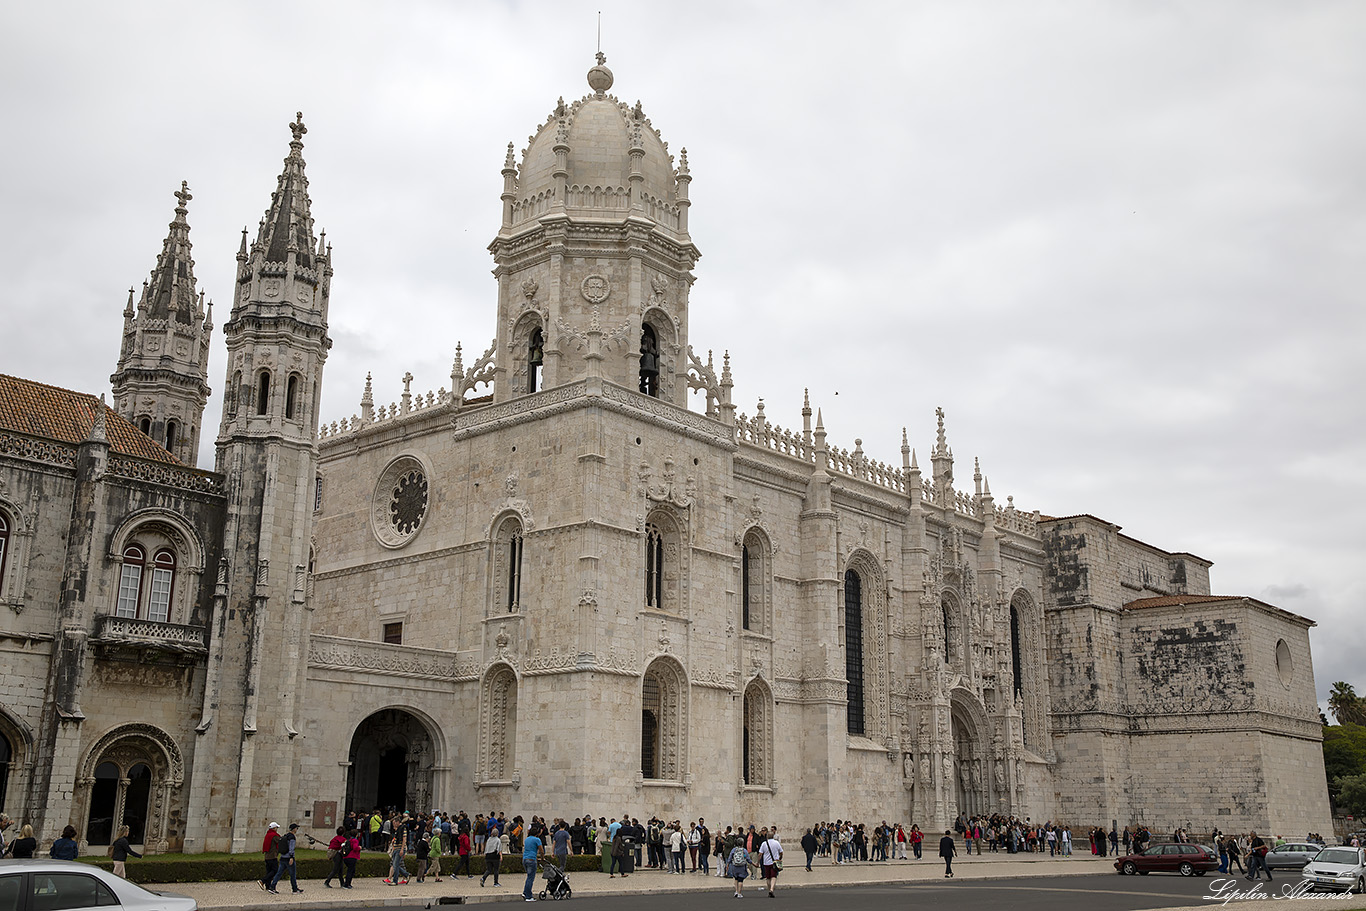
[[399, 504], [409, 503]]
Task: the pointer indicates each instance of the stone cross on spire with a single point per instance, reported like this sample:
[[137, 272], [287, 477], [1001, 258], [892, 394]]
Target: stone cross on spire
[[602, 58], [297, 127], [183, 194]]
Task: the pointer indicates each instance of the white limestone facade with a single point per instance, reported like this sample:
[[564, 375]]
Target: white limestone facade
[[579, 580]]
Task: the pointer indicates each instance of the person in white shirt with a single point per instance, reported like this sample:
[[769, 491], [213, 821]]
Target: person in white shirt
[[770, 854]]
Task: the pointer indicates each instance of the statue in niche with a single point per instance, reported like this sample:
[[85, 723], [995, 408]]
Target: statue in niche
[[649, 361], [1000, 778], [908, 766]]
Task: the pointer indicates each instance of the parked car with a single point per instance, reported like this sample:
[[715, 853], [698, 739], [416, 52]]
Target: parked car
[[1188, 860], [1337, 869], [41, 884], [1292, 855]]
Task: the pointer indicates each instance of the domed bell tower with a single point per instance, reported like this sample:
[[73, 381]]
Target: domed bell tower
[[594, 260]]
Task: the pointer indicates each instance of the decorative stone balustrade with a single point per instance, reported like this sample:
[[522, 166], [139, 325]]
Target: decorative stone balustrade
[[149, 634]]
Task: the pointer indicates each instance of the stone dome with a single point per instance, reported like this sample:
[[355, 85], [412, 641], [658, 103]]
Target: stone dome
[[598, 130]]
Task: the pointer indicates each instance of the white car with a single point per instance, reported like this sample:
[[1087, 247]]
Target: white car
[[42, 884], [1337, 868]]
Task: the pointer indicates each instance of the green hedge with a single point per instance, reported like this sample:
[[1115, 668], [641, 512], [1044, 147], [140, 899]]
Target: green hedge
[[208, 868]]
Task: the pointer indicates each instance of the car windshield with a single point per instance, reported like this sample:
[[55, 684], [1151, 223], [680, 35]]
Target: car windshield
[[1337, 856]]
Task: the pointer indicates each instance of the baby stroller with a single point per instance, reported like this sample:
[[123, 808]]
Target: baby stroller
[[556, 883]]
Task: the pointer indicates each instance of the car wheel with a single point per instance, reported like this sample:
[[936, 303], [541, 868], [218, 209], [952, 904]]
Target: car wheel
[[1361, 885], [1129, 869], [1186, 869]]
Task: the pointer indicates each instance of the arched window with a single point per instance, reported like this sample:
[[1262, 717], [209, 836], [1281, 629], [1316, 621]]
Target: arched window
[[135, 802], [104, 798], [654, 567], [745, 595], [513, 544], [6, 755], [535, 358], [853, 649], [145, 425], [130, 581], [663, 729], [4, 548], [1015, 651], [505, 573], [163, 579], [234, 394], [500, 724], [263, 393], [757, 736], [948, 640], [172, 429], [756, 582], [649, 361], [649, 728], [291, 396]]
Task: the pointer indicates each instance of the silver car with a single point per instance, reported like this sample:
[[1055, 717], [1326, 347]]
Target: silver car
[[56, 885], [1337, 869], [1292, 855]]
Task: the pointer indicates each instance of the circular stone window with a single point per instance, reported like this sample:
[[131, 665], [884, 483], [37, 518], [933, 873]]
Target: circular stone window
[[399, 504], [1285, 666]]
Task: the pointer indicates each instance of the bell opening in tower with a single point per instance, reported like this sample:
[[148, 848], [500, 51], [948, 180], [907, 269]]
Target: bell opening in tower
[[535, 358]]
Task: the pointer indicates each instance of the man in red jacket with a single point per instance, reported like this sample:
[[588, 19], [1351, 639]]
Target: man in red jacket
[[271, 849]]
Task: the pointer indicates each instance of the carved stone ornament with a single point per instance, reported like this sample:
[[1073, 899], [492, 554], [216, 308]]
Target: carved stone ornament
[[529, 288], [595, 288], [272, 288]]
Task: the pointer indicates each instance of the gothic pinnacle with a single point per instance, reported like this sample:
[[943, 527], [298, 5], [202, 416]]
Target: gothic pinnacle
[[128, 310]]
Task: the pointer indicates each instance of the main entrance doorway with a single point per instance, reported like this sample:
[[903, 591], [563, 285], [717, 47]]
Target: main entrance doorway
[[391, 764]]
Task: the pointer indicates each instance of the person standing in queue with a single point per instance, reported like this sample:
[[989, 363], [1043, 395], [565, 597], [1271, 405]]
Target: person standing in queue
[[531, 850], [947, 849]]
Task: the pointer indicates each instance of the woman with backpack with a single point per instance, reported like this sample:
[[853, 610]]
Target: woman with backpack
[[738, 864], [336, 852]]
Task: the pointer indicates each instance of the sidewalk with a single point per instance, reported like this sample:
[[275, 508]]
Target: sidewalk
[[372, 893]]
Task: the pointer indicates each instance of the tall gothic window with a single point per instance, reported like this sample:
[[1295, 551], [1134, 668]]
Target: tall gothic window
[[744, 587], [145, 425], [4, 548], [757, 734], [130, 581], [234, 393], [172, 432], [513, 544], [1015, 650], [500, 724], [663, 729], [654, 567], [649, 361], [948, 641], [535, 358], [649, 728], [853, 649], [292, 396], [6, 755], [263, 393]]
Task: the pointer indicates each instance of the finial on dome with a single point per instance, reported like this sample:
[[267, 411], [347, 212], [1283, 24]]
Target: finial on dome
[[600, 77]]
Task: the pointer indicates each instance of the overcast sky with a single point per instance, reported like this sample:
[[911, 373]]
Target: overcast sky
[[1121, 244]]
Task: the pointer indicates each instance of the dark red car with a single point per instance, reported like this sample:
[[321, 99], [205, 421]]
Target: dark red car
[[1188, 860]]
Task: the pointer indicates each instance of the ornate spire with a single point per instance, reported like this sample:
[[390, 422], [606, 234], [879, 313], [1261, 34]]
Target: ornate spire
[[287, 228], [941, 445], [170, 294], [367, 401]]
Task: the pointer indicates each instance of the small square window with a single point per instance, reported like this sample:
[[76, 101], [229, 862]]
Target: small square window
[[393, 633]]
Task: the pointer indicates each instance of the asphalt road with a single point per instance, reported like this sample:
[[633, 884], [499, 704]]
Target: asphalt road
[[1106, 892]]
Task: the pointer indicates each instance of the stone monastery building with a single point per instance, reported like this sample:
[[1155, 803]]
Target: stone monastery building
[[622, 605]]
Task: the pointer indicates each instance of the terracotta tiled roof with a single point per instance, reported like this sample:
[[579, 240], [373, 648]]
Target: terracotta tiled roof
[[53, 413], [1172, 600]]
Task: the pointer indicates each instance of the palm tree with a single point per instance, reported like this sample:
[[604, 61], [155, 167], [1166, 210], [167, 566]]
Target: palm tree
[[1347, 707]]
